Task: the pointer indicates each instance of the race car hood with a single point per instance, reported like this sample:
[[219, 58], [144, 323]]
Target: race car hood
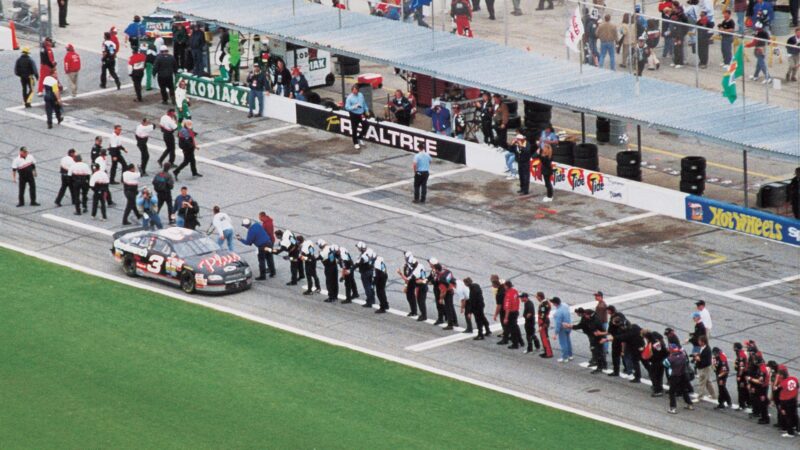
[[220, 263]]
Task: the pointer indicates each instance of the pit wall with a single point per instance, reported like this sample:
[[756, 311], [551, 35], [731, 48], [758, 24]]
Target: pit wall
[[579, 181]]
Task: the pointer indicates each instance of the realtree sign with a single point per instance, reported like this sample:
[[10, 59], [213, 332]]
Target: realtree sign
[[208, 89]]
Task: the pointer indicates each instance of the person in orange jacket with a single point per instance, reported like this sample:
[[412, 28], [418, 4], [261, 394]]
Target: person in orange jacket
[[72, 65]]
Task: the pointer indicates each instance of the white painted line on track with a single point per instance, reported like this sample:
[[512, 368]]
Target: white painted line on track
[[250, 135], [439, 342], [356, 163], [77, 224], [407, 182], [765, 284], [67, 97], [421, 215], [357, 348], [594, 227]]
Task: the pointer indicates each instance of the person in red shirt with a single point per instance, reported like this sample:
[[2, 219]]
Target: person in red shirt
[[47, 62], [787, 402], [339, 4], [511, 308], [721, 369], [114, 38], [72, 65], [269, 226], [136, 71]]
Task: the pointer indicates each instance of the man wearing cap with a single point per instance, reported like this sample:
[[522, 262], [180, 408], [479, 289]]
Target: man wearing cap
[[308, 257], [705, 317], [421, 167], [543, 322], [522, 153], [592, 327], [679, 383], [136, 65], [721, 371], [787, 402], [109, 61], [408, 273], [269, 227], [258, 84], [477, 305], [511, 308], [135, 31], [366, 269], [562, 324], [25, 69], [642, 54], [52, 97], [432, 279], [72, 66], [47, 62], [459, 122], [287, 242], [24, 165], [381, 276], [758, 382], [347, 265], [440, 118], [357, 107], [257, 236], [327, 254], [740, 369], [298, 85], [529, 313], [165, 67], [147, 203], [66, 181], [446, 286], [187, 143]]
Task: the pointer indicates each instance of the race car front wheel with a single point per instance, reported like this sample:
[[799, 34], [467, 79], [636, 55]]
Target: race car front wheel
[[187, 281], [129, 266]]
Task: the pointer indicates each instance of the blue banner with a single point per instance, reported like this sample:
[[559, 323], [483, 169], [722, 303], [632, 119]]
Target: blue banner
[[744, 220]]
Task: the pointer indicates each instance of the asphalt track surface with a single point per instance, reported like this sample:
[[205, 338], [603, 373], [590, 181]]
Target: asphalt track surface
[[317, 185]]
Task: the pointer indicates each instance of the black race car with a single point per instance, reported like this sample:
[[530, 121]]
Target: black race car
[[182, 257]]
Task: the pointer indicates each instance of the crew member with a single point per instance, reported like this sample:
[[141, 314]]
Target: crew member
[[25, 69], [24, 165], [130, 185], [787, 402], [459, 122], [327, 254], [543, 322], [269, 227], [655, 363], [511, 308], [165, 67], [499, 299], [287, 242], [142, 133], [186, 209], [529, 313], [95, 151], [136, 65], [591, 326], [168, 124], [758, 382], [187, 143], [109, 61], [257, 236], [357, 107], [348, 277], [115, 150], [381, 276], [477, 305], [163, 184], [421, 167], [462, 295], [721, 370], [522, 150], [66, 180], [222, 224], [52, 98], [740, 367], [308, 257], [182, 103], [485, 113], [104, 164], [79, 173], [99, 184], [438, 301], [47, 62], [410, 289], [447, 285], [366, 268]]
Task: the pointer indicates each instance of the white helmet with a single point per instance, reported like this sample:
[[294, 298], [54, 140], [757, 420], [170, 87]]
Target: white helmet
[[408, 255], [433, 261], [341, 250], [246, 222], [321, 243], [361, 246]]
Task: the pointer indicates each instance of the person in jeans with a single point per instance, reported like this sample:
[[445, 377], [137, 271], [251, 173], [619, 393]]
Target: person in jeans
[[794, 56], [222, 224], [704, 34], [740, 8], [607, 34], [421, 167], [729, 26], [678, 380], [760, 49], [257, 82], [356, 106], [703, 363], [146, 204], [562, 333]]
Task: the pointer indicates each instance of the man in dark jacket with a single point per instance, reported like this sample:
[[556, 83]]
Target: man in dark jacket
[[281, 79], [197, 42], [794, 193], [529, 313], [678, 380], [616, 322], [631, 336], [257, 236], [522, 150], [477, 306], [257, 82], [654, 363], [186, 142], [591, 325], [25, 69], [165, 67]]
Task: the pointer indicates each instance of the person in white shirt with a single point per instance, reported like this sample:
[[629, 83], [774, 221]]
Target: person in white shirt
[[168, 125], [462, 294], [705, 317], [308, 255], [182, 102], [25, 166], [79, 173], [66, 180], [142, 133], [115, 150], [52, 98], [221, 223], [99, 184], [130, 182], [104, 164]]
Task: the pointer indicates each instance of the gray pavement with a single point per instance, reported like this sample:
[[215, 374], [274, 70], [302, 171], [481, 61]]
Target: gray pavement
[[473, 222]]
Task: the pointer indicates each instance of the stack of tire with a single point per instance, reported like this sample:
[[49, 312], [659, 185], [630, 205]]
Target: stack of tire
[[603, 130], [537, 117], [347, 65], [514, 120], [564, 153], [585, 157], [629, 165], [773, 195], [693, 175]]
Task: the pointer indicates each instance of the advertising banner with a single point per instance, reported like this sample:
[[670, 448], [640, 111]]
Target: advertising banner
[[207, 88], [583, 182], [744, 220], [385, 133]]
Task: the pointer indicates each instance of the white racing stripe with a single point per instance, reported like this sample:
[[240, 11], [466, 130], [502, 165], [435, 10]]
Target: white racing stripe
[[77, 224], [421, 215], [66, 97], [621, 298], [407, 182], [594, 227], [765, 284], [364, 350], [248, 136]]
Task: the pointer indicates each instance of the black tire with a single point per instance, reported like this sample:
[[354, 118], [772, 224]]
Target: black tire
[[587, 163], [692, 187], [585, 151], [629, 158], [514, 122], [603, 137], [330, 79], [531, 107], [603, 124], [350, 69], [538, 116], [187, 282], [630, 172], [129, 265], [512, 105], [693, 163], [564, 148], [693, 175]]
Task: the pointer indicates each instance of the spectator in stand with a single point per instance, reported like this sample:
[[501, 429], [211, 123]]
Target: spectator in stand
[[546, 158], [561, 324], [548, 136], [522, 152], [607, 34], [704, 34], [653, 38], [627, 40], [459, 122], [794, 55], [642, 55], [180, 41], [281, 79], [678, 32], [72, 65], [590, 25], [511, 156], [764, 12], [666, 29], [440, 118], [197, 43], [400, 108], [729, 26], [500, 121], [759, 45], [298, 85], [485, 113], [257, 82], [461, 12], [356, 105], [135, 32]]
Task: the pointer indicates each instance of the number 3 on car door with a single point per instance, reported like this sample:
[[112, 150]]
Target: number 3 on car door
[[156, 261]]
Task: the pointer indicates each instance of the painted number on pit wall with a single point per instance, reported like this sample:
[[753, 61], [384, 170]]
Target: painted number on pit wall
[[156, 261]]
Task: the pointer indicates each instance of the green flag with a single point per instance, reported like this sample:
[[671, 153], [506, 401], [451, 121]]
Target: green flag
[[735, 70]]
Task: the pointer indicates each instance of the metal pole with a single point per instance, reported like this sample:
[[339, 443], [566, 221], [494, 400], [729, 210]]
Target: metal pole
[[744, 168], [433, 26], [293, 7], [697, 57], [340, 18], [49, 18], [583, 128], [505, 22], [40, 24], [766, 91], [341, 72], [639, 140]]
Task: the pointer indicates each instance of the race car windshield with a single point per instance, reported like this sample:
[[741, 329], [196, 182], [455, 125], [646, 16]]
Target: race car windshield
[[196, 247]]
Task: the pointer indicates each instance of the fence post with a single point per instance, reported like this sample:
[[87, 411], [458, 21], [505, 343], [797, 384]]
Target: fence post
[[744, 168], [505, 22]]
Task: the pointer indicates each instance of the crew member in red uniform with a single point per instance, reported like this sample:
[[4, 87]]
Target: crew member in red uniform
[[544, 325], [511, 308], [758, 379], [740, 367], [47, 62], [136, 65], [269, 227], [787, 403], [721, 370]]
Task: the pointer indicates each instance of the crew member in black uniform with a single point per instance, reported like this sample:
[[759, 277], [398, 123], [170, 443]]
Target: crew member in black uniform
[[366, 269], [544, 325], [66, 180], [327, 254], [478, 305], [740, 367], [529, 313], [348, 277], [616, 322], [80, 173], [95, 151], [447, 286], [407, 274], [288, 243], [381, 276], [721, 370], [437, 301], [522, 149], [24, 165], [499, 299], [591, 325], [308, 257]]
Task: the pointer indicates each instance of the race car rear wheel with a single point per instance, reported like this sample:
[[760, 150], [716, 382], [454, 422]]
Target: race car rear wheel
[[187, 281], [129, 266]]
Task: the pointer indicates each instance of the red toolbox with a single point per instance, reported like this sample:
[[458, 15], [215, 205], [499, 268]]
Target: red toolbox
[[373, 79]]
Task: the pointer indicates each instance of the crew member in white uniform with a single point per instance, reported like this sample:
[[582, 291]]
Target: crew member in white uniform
[[104, 164], [24, 165], [142, 133], [99, 184], [130, 182], [66, 180], [79, 174]]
